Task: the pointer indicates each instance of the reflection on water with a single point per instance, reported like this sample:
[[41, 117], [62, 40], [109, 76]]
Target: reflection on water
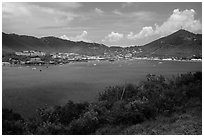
[[26, 88]]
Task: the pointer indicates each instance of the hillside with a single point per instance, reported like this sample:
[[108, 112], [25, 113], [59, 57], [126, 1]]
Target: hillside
[[181, 44], [13, 42]]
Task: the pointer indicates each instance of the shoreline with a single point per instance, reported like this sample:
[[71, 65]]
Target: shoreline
[[133, 59]]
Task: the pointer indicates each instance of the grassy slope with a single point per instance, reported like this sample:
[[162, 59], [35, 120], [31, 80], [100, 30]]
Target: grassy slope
[[189, 123], [186, 122]]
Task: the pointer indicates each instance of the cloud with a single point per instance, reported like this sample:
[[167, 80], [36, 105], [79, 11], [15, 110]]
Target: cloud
[[113, 37], [60, 6], [117, 12], [185, 19], [127, 4], [14, 10], [21, 17], [80, 37], [99, 11], [20, 9], [145, 32], [59, 16], [138, 16]]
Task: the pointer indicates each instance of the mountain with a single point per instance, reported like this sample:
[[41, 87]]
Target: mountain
[[13, 42], [179, 44]]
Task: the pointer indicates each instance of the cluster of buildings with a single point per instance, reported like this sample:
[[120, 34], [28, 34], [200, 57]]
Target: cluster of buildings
[[33, 60], [38, 57], [25, 57], [66, 56], [75, 57], [31, 53]]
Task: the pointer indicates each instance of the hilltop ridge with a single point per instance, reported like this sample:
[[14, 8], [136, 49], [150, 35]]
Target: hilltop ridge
[[181, 43]]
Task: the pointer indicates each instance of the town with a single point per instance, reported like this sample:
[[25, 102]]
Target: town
[[35, 57]]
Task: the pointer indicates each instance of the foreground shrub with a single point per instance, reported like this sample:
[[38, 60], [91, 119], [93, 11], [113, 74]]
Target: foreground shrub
[[110, 129], [62, 114], [48, 128], [192, 82], [116, 93], [12, 123], [70, 111], [51, 120], [86, 124]]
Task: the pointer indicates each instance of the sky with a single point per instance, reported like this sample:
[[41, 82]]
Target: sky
[[110, 23]]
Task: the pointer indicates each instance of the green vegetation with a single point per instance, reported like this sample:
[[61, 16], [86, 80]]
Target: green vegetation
[[12, 122], [16, 59], [155, 106], [12, 56]]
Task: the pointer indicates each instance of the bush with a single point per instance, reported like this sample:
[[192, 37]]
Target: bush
[[55, 118], [48, 128], [124, 113], [8, 114], [112, 94], [62, 114], [70, 111], [12, 123], [110, 130], [86, 124]]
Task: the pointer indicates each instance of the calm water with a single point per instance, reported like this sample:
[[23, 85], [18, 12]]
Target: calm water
[[25, 88]]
